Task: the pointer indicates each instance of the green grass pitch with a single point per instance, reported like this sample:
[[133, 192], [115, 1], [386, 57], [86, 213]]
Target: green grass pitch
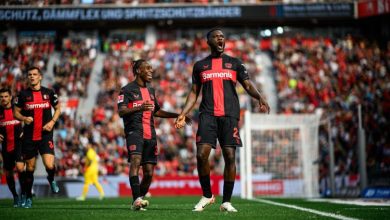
[[179, 208]]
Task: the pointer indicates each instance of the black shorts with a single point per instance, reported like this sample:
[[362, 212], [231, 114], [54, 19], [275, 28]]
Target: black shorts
[[147, 148], [224, 128], [11, 157], [31, 148]]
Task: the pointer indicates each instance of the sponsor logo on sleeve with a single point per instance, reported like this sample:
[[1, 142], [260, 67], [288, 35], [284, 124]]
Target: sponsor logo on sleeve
[[120, 98]]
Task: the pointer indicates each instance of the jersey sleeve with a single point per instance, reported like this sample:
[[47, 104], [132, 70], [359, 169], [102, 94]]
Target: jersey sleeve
[[156, 105], [19, 101], [53, 98], [123, 99], [196, 75], [242, 73]]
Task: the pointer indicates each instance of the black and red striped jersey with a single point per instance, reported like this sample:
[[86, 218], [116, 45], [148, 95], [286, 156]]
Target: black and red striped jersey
[[37, 104], [218, 78], [141, 122], [10, 128]]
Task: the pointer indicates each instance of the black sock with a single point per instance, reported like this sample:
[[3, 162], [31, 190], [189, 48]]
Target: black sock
[[205, 184], [22, 179], [135, 188], [50, 174], [227, 191], [145, 184], [11, 184], [29, 183]]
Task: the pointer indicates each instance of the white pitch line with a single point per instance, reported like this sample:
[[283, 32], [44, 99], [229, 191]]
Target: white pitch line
[[326, 214]]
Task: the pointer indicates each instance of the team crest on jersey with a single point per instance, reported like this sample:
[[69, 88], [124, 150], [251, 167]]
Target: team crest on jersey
[[205, 67], [120, 98], [228, 65], [45, 96]]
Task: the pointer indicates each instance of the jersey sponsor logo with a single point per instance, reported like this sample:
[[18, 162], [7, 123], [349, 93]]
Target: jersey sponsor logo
[[216, 75], [228, 65], [121, 98], [8, 123], [32, 106]]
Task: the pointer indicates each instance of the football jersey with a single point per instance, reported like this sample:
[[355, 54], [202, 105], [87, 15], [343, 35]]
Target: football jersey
[[141, 122], [92, 159], [10, 128], [38, 105], [218, 78]]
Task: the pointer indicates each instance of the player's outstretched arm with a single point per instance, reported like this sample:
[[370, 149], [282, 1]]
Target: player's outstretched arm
[[18, 115], [190, 102], [252, 91], [164, 114]]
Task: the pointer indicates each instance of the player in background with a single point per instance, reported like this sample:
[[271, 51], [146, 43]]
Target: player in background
[[217, 75], [10, 139], [33, 107], [137, 105], [91, 175]]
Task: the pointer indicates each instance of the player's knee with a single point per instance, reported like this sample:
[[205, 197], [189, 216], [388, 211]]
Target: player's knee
[[201, 158], [230, 159]]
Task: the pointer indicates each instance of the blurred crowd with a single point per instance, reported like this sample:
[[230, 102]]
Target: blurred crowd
[[312, 75], [334, 77]]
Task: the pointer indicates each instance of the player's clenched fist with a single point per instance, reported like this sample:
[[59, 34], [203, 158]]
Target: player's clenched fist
[[147, 106], [28, 120]]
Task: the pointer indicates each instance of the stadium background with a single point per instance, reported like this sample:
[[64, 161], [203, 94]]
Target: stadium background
[[323, 57]]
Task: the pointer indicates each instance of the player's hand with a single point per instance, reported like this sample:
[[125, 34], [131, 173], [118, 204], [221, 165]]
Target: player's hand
[[180, 121], [1, 138], [28, 120], [147, 106], [263, 106], [48, 126]]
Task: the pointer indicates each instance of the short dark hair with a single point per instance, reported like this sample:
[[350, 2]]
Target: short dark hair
[[5, 89], [34, 68], [137, 64], [211, 31]]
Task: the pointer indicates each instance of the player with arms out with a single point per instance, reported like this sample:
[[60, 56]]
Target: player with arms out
[[217, 75], [91, 175], [33, 107], [137, 105], [10, 139]]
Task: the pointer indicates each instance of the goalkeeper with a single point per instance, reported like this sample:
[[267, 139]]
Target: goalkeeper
[[91, 174]]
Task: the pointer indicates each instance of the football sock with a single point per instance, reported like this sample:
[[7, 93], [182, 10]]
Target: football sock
[[205, 184], [145, 184], [50, 174], [11, 184], [22, 179], [29, 183], [135, 188], [227, 191]]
